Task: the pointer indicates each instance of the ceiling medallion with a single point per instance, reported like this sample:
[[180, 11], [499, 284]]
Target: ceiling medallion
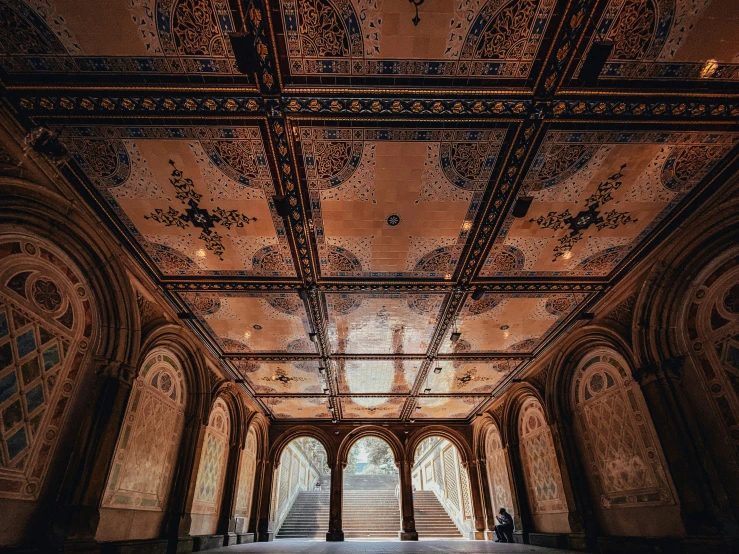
[[258, 327], [393, 220]]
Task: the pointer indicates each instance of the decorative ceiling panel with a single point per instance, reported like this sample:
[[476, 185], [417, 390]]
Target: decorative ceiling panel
[[291, 407], [376, 376], [597, 195], [382, 323], [671, 39], [294, 377], [447, 407], [460, 376], [372, 407], [478, 39], [253, 322], [168, 37], [395, 202], [510, 323], [196, 199]]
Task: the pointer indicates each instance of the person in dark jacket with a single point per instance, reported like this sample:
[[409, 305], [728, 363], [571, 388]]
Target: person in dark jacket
[[504, 529]]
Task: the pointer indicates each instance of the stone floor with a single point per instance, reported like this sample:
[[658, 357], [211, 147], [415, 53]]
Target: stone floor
[[384, 547]]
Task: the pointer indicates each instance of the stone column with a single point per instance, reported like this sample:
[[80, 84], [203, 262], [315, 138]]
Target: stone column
[[481, 467], [179, 520], [408, 521], [76, 515], [227, 518], [476, 495], [521, 509], [335, 530], [256, 502], [581, 516], [704, 507], [265, 525]]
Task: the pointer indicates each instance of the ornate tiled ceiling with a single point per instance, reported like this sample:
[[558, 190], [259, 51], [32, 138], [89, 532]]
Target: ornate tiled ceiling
[[401, 136]]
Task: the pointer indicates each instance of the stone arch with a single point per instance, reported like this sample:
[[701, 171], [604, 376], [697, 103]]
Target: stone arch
[[140, 476], [192, 362], [624, 461], [247, 475], [456, 438], [496, 466], [370, 431], [279, 444]]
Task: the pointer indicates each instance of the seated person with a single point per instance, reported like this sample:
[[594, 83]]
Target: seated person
[[504, 529]]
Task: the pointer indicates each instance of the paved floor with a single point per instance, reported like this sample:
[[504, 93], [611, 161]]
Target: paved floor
[[384, 547]]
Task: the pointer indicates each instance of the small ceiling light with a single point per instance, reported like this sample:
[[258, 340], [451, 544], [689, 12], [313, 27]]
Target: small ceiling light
[[567, 255], [466, 226], [321, 369], [418, 407], [412, 420], [331, 408], [427, 391], [303, 294], [325, 391], [437, 370], [595, 61], [478, 294], [455, 336], [448, 276], [708, 69], [313, 337], [282, 206], [522, 205], [200, 253]]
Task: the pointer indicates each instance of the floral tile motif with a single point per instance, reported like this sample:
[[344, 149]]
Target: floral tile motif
[[597, 195], [376, 376], [146, 37], [291, 407], [391, 202], [668, 40], [197, 200], [382, 323], [447, 407], [253, 322], [294, 377], [382, 38], [467, 377], [510, 323], [372, 407]]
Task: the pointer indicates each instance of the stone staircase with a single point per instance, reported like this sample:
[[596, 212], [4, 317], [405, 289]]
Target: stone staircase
[[368, 514]]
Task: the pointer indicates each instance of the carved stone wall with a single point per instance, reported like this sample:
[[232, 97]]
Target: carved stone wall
[[626, 467], [211, 471], [498, 479], [246, 476], [140, 475], [541, 469], [45, 330]]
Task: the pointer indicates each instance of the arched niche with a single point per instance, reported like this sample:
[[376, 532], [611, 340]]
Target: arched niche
[[496, 465], [211, 471], [624, 463], [542, 474], [145, 456], [46, 330], [247, 475]]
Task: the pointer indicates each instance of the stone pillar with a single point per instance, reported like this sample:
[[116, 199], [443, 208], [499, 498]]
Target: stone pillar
[[335, 531], [256, 501], [522, 519], [704, 507], [476, 496], [265, 525], [179, 520], [481, 467], [581, 516], [77, 514], [408, 521], [227, 518]]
